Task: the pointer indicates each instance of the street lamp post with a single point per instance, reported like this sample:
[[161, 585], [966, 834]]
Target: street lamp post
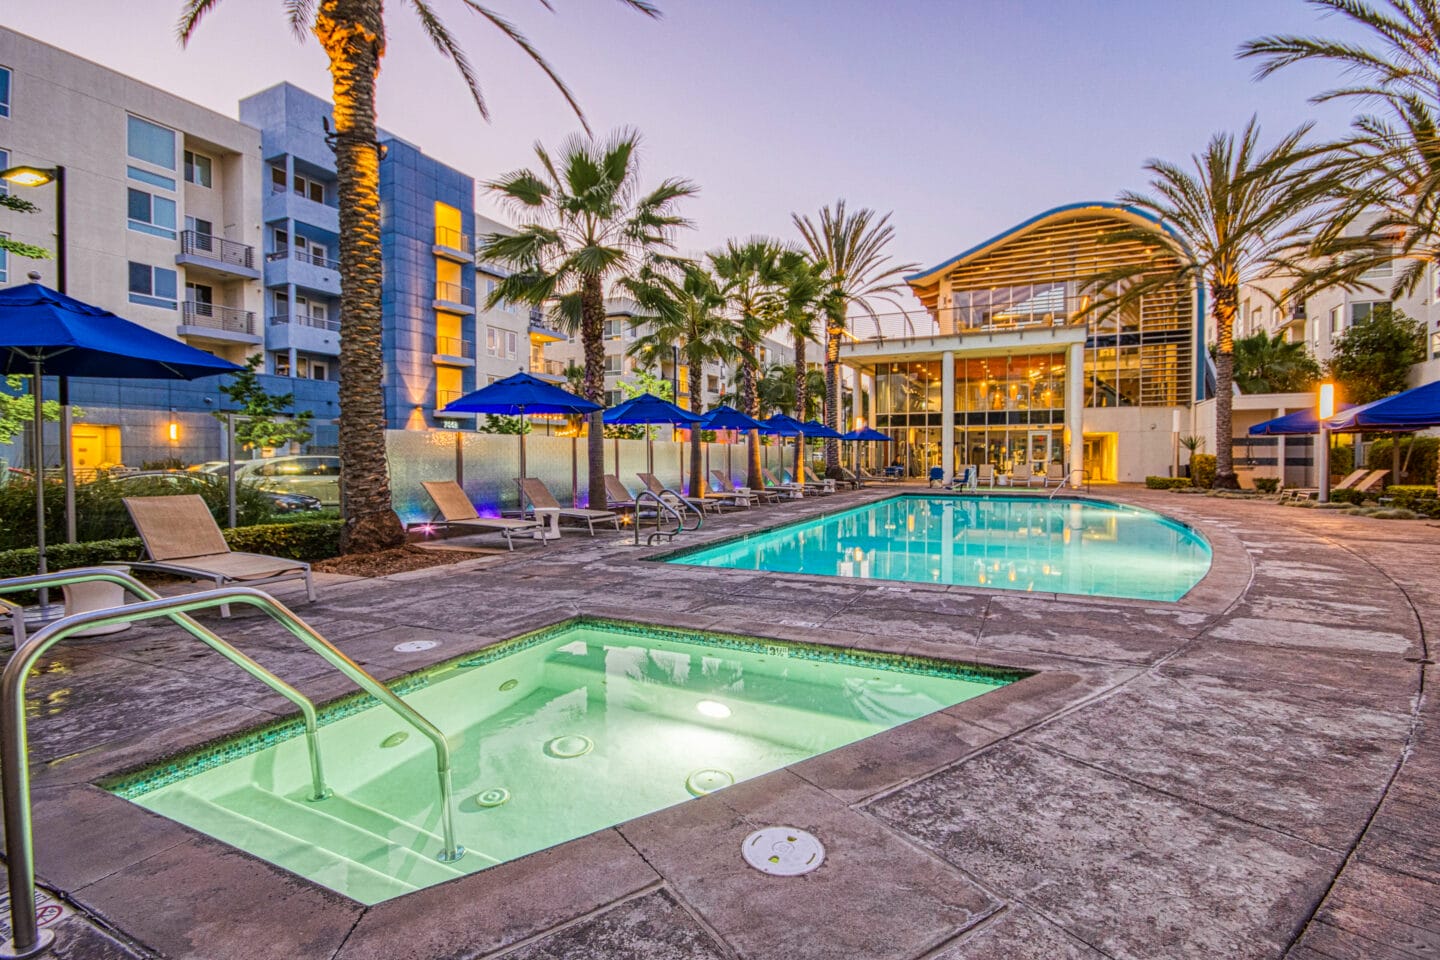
[[1322, 456]]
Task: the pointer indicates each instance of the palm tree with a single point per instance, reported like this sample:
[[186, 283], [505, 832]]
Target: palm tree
[[750, 274], [1268, 364], [1241, 214], [801, 292], [852, 245], [683, 307], [584, 224], [352, 33]]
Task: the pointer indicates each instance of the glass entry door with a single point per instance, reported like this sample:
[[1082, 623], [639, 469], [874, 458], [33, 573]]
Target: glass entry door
[[1039, 450]]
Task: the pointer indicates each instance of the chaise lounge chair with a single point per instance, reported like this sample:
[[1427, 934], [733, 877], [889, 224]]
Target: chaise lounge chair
[[454, 509], [1375, 479], [703, 504], [741, 495], [985, 473], [540, 498], [1055, 475], [182, 538], [1022, 475], [786, 489], [617, 496], [1353, 479], [13, 615]]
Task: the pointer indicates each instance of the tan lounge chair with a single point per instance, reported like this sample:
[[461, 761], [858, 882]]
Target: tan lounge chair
[[13, 615], [454, 509], [703, 504], [789, 491], [617, 497], [182, 538], [985, 473], [1309, 493], [1374, 480], [1055, 474], [1021, 474], [743, 496], [541, 498]]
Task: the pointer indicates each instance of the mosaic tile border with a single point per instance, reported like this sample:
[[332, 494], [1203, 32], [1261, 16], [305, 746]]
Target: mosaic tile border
[[170, 770]]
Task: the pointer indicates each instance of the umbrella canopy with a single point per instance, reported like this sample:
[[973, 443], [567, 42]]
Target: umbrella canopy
[[518, 395], [868, 433], [815, 430], [45, 333], [1414, 409], [1301, 422], [71, 338], [782, 426], [648, 408], [728, 418]]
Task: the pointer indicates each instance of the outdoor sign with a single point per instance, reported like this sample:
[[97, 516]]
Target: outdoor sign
[[48, 912]]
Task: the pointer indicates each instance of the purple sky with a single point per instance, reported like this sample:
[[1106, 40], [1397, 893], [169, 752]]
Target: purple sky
[[964, 117]]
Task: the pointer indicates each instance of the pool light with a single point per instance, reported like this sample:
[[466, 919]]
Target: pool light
[[713, 708]]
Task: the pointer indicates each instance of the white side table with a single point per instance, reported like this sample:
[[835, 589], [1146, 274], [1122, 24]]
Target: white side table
[[550, 517]]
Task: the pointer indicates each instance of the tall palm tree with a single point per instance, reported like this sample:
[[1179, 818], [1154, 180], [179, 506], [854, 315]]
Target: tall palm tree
[[853, 246], [352, 34], [750, 274], [1242, 213], [583, 224], [802, 290], [684, 308]]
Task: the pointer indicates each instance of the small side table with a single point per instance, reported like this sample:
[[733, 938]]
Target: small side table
[[550, 517]]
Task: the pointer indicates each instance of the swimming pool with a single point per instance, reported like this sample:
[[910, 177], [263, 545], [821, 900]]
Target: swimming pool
[[1036, 544], [554, 735]]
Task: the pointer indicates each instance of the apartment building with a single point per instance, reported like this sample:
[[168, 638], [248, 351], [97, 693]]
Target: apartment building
[[509, 336]]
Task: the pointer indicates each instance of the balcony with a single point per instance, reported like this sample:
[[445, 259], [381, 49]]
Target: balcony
[[454, 245], [454, 298], [543, 332], [298, 331], [303, 269], [552, 370], [454, 352], [209, 253], [446, 397], [282, 204], [214, 322]]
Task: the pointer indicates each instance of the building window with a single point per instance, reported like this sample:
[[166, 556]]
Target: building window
[[4, 163], [154, 179], [311, 189], [4, 260], [4, 91], [151, 214], [1360, 312], [492, 342], [152, 286], [151, 142], [614, 329], [1337, 320], [277, 179], [613, 398], [712, 383], [512, 345], [282, 364], [614, 364], [197, 168]]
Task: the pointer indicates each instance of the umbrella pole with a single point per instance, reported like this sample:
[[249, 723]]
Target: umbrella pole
[[649, 453], [67, 461], [36, 389]]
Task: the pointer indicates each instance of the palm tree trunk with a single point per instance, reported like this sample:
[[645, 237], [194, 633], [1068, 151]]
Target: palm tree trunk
[[750, 406], [697, 478], [1225, 305], [592, 334], [802, 401], [352, 32], [834, 330]]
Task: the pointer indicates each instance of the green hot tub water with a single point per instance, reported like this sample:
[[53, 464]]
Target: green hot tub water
[[554, 735]]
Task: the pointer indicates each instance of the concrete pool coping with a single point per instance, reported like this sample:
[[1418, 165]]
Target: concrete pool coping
[[159, 883]]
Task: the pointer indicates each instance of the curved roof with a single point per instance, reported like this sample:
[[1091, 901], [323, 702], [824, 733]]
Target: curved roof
[[1105, 206]]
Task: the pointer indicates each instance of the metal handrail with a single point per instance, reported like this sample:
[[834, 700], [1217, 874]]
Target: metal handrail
[[27, 939], [660, 505], [681, 503]]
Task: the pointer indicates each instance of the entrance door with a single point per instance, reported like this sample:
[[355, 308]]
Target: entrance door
[[94, 446], [1038, 448]]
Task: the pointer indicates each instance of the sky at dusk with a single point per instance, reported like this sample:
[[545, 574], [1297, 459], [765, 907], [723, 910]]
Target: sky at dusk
[[962, 117]]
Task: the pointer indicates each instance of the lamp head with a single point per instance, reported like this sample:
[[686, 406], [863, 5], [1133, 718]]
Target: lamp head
[[27, 176], [1327, 401]]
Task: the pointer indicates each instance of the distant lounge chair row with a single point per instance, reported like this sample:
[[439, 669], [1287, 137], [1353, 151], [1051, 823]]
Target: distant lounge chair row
[[1361, 481], [1021, 475]]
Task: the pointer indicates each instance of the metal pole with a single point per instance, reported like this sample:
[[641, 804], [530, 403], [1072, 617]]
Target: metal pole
[[37, 389], [67, 460], [230, 468], [1322, 461], [61, 259]]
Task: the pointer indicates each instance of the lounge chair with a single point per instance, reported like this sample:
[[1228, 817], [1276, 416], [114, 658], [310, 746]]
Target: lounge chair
[[13, 616], [1055, 474], [985, 473], [703, 504], [823, 487], [745, 495], [182, 538], [1310, 493], [846, 477], [454, 509], [617, 496], [867, 477], [1375, 479], [786, 489], [937, 475], [539, 496]]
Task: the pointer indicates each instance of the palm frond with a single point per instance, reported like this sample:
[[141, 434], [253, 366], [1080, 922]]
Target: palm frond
[[516, 37]]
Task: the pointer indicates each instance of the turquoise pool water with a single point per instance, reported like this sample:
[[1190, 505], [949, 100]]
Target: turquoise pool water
[[554, 735], [1034, 544]]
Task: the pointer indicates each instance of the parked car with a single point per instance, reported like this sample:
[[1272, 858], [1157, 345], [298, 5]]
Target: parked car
[[317, 477], [186, 482]]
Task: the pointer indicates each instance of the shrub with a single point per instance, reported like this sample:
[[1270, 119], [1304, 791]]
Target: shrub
[[1202, 469], [1421, 500], [1166, 483], [1346, 496], [1267, 484], [1342, 460], [1421, 452]]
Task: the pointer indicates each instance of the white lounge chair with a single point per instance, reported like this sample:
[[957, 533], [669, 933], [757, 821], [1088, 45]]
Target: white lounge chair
[[1055, 474], [985, 473], [182, 538], [540, 498], [454, 509], [824, 486]]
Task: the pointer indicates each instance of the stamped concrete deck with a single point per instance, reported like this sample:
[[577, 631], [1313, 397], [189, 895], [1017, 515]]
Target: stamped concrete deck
[[1249, 772]]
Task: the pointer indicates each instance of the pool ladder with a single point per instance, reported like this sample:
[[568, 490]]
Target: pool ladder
[[668, 505], [27, 939]]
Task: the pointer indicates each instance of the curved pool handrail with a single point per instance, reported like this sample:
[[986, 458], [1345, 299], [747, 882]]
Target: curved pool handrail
[[27, 940]]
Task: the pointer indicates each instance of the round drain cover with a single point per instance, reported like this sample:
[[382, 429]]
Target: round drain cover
[[395, 739], [783, 851], [415, 646], [493, 797], [569, 746], [708, 780], [509, 685]]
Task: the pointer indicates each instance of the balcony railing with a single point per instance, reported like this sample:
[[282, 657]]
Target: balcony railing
[[454, 293], [319, 323], [444, 398], [215, 317], [551, 368], [968, 320], [454, 239], [454, 347], [219, 249], [303, 257]]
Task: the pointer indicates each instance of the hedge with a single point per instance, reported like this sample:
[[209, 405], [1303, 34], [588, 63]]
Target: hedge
[[1167, 483], [1202, 469], [1421, 452], [312, 541], [1267, 484]]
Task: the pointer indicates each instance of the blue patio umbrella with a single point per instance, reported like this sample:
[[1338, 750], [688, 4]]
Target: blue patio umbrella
[[815, 430], [862, 435], [781, 425], [726, 417], [1414, 409], [518, 395], [647, 409], [44, 333], [1299, 423]]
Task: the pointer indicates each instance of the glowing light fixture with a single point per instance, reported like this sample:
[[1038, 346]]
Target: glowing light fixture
[[1327, 401], [713, 708], [173, 431], [26, 176]]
